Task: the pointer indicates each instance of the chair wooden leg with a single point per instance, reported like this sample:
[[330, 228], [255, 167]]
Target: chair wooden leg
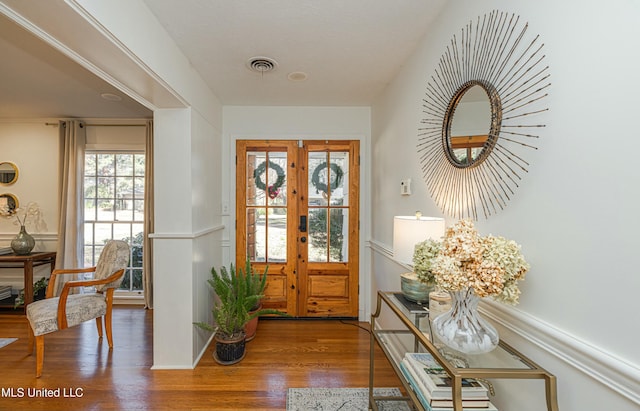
[[107, 322], [107, 316], [99, 325], [39, 355], [31, 340]]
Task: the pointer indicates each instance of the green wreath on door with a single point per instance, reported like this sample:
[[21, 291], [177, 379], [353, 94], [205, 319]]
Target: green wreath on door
[[274, 189], [322, 187]]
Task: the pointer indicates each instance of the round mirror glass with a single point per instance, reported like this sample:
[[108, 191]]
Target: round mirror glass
[[8, 204], [470, 126], [8, 173]]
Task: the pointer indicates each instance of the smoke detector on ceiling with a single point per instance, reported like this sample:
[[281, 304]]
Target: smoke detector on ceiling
[[261, 64], [297, 76]]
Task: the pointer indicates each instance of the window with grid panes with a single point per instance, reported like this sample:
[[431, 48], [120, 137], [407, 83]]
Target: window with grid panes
[[114, 209]]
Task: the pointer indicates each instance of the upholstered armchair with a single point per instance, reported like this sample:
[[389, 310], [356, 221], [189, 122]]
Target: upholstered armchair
[[69, 309]]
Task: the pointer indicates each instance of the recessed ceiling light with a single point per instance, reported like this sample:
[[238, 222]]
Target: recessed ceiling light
[[297, 76], [110, 97], [261, 64]]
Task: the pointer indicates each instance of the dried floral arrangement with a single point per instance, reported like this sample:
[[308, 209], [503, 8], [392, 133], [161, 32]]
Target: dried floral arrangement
[[491, 266]]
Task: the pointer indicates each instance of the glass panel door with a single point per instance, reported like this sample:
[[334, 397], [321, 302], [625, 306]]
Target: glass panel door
[[328, 205], [297, 214], [266, 210], [328, 267], [266, 206]]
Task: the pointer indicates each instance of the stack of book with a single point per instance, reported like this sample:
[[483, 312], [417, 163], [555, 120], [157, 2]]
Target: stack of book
[[5, 292], [5, 250], [432, 385]]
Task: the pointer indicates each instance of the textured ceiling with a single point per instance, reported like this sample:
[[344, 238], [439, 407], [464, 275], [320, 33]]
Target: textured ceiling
[[349, 49]]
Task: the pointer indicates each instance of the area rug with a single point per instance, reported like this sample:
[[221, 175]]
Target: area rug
[[341, 399], [6, 341]]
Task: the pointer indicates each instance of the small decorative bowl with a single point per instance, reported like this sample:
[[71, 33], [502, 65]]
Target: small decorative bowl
[[413, 289]]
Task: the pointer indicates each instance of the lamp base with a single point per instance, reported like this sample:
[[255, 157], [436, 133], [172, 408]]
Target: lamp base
[[413, 289]]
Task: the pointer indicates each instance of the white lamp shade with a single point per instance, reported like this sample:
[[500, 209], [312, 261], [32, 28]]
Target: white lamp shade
[[411, 230]]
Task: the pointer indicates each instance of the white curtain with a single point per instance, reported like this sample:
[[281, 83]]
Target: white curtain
[[147, 245], [72, 141]]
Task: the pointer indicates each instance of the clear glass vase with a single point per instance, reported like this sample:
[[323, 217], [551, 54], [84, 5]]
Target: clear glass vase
[[23, 243], [462, 328]]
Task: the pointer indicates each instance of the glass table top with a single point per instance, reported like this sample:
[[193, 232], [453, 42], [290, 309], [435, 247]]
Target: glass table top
[[503, 357]]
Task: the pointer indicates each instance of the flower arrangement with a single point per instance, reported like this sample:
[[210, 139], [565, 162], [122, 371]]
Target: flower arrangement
[[491, 266], [423, 256]]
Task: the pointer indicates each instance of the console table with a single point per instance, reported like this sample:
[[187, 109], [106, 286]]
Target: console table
[[27, 263], [502, 362]]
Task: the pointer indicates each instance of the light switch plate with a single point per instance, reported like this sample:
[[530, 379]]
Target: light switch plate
[[405, 187]]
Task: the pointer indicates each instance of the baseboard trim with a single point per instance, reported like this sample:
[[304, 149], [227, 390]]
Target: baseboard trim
[[609, 370], [203, 351], [171, 367]]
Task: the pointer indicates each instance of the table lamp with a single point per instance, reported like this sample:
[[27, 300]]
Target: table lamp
[[411, 230], [407, 232]]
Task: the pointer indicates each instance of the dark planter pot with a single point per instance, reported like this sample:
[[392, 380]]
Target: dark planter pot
[[39, 295], [229, 351]]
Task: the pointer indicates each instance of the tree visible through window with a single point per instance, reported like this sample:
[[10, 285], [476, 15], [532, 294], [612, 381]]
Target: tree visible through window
[[114, 208]]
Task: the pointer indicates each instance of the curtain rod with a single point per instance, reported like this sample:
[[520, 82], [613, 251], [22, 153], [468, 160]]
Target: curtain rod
[[103, 125]]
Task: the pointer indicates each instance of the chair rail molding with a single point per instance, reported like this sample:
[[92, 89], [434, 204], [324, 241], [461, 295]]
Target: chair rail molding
[[192, 235], [380, 248], [387, 251], [45, 237], [613, 372]]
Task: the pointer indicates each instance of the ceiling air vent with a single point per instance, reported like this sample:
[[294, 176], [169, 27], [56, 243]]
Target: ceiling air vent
[[261, 64]]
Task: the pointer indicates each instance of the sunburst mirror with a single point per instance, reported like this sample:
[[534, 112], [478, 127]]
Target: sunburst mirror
[[482, 115]]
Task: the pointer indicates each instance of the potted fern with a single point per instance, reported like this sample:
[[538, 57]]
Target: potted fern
[[231, 312], [255, 284]]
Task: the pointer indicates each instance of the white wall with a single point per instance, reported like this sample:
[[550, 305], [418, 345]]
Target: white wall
[[108, 135], [207, 226], [298, 123], [574, 213], [33, 147]]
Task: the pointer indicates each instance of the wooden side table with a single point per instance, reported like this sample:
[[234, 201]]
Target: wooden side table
[[28, 262]]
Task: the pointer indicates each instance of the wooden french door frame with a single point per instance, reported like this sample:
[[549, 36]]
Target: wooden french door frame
[[281, 292], [330, 288], [327, 284]]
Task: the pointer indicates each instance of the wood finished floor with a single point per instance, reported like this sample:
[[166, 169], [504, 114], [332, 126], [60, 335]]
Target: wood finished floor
[[285, 354]]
